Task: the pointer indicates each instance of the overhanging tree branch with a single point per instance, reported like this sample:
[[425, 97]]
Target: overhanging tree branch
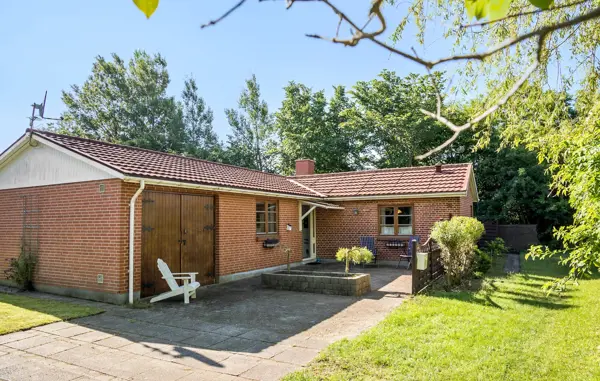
[[358, 34]]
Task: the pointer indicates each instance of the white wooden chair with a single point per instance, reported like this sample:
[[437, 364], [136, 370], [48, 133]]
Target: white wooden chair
[[189, 284]]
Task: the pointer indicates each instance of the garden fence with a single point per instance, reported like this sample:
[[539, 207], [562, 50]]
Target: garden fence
[[423, 278]]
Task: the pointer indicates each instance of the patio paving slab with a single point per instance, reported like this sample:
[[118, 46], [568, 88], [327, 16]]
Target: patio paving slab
[[205, 339], [91, 336], [30, 342], [236, 331], [236, 344], [297, 355], [157, 370], [264, 335], [55, 326], [232, 330], [16, 336], [56, 346], [268, 370], [71, 331], [267, 352], [236, 365]]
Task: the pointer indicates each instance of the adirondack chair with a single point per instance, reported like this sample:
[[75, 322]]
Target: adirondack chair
[[409, 254], [189, 284], [369, 243]]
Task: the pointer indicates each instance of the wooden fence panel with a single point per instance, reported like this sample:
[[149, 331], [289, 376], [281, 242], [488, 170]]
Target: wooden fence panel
[[423, 278]]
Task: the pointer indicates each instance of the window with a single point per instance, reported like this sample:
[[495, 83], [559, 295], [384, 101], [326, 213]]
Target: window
[[266, 217], [395, 220]]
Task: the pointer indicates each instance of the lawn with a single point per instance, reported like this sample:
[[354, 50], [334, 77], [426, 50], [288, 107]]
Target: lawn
[[18, 312], [509, 330]]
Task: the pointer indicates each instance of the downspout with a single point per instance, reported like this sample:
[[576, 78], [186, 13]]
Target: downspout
[[132, 236]]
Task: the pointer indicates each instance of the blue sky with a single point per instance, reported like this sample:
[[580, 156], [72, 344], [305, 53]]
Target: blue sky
[[50, 45]]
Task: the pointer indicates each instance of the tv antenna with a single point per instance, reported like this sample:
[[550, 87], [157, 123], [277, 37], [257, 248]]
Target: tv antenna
[[40, 108]]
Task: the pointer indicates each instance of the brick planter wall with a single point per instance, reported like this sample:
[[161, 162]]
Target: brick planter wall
[[318, 282]]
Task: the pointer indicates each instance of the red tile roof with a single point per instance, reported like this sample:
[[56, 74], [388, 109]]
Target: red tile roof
[[394, 181], [144, 163]]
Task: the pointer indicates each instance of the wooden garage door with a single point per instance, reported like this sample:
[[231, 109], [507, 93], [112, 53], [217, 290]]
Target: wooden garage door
[[179, 229]]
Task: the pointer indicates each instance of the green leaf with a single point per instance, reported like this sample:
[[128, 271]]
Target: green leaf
[[542, 4], [498, 9], [492, 9], [146, 6], [476, 8]]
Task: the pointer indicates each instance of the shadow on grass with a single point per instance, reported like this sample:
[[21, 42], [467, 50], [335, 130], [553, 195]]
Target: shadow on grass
[[538, 302], [469, 297], [524, 288]]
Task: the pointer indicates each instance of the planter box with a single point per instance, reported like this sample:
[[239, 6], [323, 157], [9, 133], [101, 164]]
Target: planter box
[[319, 282]]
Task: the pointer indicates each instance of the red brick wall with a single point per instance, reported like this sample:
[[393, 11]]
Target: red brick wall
[[238, 248], [343, 228], [466, 205], [82, 233]]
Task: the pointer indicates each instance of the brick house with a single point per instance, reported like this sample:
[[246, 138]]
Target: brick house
[[99, 215]]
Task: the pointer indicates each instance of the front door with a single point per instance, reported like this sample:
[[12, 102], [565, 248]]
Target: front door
[[179, 229], [306, 252], [309, 238]]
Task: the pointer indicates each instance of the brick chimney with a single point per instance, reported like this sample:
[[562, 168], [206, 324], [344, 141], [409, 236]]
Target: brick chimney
[[305, 167], [438, 167]]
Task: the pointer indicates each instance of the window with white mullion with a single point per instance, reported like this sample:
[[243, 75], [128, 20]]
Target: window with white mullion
[[261, 221], [405, 226], [386, 221], [266, 217]]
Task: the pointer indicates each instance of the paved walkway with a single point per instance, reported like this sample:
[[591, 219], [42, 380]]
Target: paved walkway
[[234, 331], [513, 263]]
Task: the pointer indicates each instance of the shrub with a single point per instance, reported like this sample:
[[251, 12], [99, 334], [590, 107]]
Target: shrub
[[457, 238], [21, 269], [356, 255], [483, 261], [496, 247]]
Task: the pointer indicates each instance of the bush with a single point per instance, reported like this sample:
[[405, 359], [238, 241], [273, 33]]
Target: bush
[[356, 255], [21, 269], [496, 247], [483, 261], [457, 238]]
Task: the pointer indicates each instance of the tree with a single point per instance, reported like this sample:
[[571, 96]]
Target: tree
[[252, 127], [310, 126], [127, 104], [356, 255], [387, 121], [527, 36], [198, 118], [514, 188]]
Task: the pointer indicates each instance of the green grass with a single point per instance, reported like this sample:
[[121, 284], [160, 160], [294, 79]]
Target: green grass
[[18, 312], [509, 330]]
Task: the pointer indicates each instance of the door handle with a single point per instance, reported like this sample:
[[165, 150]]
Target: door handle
[[182, 241]]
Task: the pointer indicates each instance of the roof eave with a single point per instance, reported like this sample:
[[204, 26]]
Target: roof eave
[[397, 196], [216, 188]]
